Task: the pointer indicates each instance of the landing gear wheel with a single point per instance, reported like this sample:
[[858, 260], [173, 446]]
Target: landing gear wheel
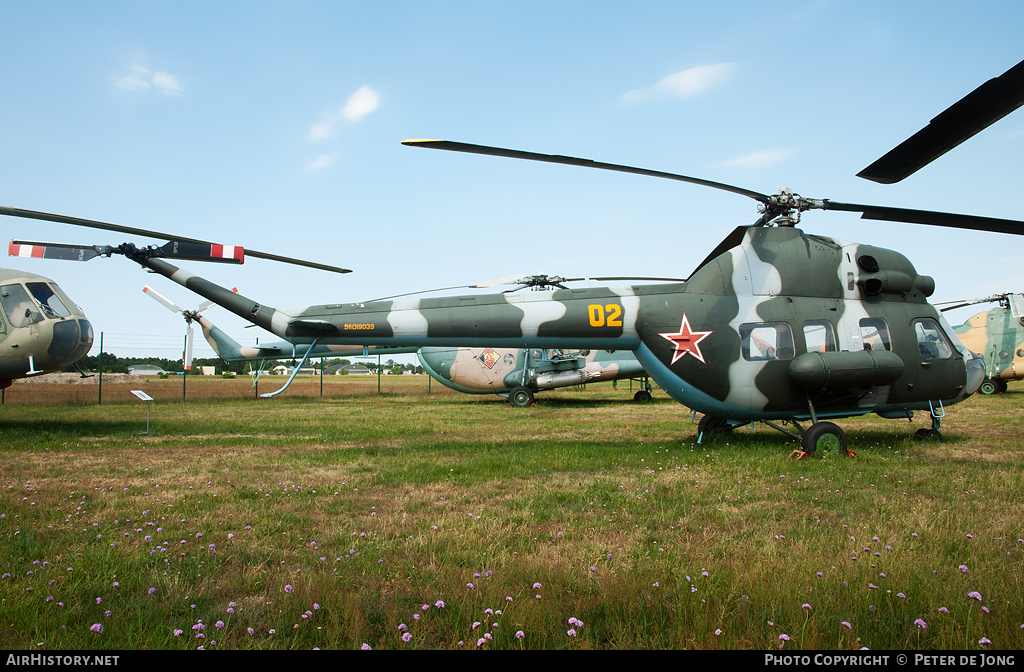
[[520, 397], [988, 386], [1002, 385], [643, 396], [712, 425], [826, 439], [928, 434]]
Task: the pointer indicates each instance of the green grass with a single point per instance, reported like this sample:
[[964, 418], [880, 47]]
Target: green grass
[[370, 507]]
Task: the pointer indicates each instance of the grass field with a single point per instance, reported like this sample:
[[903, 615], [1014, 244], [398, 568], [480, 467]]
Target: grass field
[[440, 520]]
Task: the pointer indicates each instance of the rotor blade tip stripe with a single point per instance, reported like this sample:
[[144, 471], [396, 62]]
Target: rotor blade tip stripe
[[25, 251]]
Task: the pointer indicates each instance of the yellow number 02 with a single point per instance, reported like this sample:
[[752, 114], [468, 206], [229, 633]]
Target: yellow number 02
[[598, 318]]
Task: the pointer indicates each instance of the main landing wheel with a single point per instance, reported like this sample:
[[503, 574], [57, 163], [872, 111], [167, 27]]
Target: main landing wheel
[[643, 396], [988, 386], [520, 397], [825, 439], [711, 425]]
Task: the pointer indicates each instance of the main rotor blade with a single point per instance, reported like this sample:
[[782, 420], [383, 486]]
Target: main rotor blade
[[609, 278], [973, 113], [93, 224], [572, 161], [947, 219], [63, 251]]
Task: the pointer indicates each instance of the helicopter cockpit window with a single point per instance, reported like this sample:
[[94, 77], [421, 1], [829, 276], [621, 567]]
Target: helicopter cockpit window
[[21, 310], [765, 341], [874, 332], [75, 308], [820, 336], [49, 301], [931, 341]]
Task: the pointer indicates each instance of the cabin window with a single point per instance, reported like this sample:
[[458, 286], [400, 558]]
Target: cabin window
[[931, 341], [509, 359], [766, 341], [21, 311], [820, 336], [49, 301], [874, 333]]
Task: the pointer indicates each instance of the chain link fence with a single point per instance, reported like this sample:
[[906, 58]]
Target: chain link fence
[[120, 363]]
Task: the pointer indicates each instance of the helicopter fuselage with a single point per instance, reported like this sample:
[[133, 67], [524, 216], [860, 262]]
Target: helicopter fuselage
[[41, 328], [780, 326]]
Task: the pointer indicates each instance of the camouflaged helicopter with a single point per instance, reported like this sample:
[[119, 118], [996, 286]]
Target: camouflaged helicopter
[[41, 329], [513, 373], [776, 325], [997, 335]]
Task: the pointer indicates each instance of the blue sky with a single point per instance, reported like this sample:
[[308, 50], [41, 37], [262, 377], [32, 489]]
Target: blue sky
[[277, 126]]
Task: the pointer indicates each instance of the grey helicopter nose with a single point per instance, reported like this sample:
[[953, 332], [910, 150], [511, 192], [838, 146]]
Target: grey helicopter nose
[[437, 361], [65, 340], [975, 373]]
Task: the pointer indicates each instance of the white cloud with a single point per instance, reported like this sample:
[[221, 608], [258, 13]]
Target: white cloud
[[321, 161], [762, 159], [167, 83], [684, 84], [362, 102], [141, 79]]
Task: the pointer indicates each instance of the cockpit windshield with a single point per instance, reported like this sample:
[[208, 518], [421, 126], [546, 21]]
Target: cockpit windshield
[[20, 309], [51, 304]]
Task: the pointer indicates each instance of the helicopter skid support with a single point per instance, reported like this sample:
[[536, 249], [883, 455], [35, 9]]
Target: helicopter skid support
[[312, 345]]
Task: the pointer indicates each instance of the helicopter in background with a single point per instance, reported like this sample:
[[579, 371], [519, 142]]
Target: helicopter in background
[[41, 329], [997, 335]]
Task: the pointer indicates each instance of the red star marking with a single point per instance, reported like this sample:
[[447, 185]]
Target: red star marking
[[686, 341]]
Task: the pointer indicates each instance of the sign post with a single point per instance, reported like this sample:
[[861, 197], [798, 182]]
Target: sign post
[[149, 405]]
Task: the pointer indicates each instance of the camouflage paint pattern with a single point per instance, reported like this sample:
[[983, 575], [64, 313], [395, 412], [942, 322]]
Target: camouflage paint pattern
[[998, 337], [470, 370], [230, 350], [702, 341], [499, 370], [38, 319]]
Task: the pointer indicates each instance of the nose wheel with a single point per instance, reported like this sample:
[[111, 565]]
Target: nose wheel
[[931, 433]]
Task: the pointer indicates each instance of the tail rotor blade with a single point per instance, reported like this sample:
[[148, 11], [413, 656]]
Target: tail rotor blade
[[188, 349], [156, 296]]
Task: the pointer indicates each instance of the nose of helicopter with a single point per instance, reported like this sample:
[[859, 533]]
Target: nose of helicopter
[[975, 372], [437, 361]]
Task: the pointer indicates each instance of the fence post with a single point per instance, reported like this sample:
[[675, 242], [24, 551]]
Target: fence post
[[99, 397], [321, 376]]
